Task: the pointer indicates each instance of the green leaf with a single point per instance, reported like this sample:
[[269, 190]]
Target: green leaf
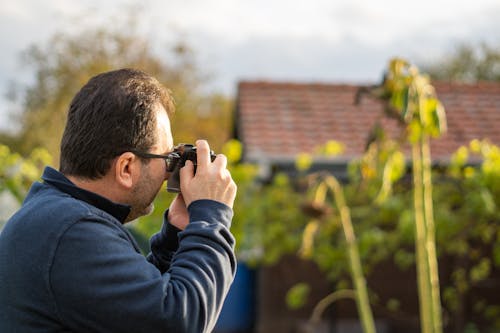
[[480, 271], [233, 150], [496, 254], [460, 157], [296, 297], [303, 162], [393, 304], [331, 148]]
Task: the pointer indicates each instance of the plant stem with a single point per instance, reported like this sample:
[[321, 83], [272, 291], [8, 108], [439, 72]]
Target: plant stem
[[420, 242], [359, 281], [431, 236], [329, 299]]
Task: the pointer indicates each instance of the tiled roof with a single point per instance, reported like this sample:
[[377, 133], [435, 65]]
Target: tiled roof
[[275, 121]]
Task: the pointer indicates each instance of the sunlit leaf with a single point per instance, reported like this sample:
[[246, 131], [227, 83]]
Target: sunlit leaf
[[475, 146], [332, 148], [303, 161], [480, 271], [414, 131], [233, 150], [460, 157], [296, 297], [308, 235]]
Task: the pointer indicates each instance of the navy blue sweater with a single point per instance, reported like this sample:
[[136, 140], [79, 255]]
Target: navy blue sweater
[[67, 264]]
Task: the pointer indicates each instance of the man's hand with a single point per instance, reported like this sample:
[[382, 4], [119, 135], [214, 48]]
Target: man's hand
[[177, 213], [212, 179]]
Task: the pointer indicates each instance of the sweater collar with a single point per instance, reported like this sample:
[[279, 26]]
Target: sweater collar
[[58, 180]]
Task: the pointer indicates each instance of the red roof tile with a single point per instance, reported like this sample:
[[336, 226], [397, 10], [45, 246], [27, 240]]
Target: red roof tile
[[276, 121]]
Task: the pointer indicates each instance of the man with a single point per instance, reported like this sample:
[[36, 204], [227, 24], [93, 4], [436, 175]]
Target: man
[[67, 263]]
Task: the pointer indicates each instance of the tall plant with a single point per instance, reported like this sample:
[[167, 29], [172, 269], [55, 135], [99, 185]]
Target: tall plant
[[414, 99], [331, 183], [325, 184]]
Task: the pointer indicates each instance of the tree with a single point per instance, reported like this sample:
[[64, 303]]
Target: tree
[[68, 60], [17, 173], [468, 63]]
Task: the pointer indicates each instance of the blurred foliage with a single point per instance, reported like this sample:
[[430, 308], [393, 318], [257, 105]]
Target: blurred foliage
[[64, 63], [269, 220], [327, 196], [17, 173], [468, 63], [297, 295], [468, 227], [467, 216]]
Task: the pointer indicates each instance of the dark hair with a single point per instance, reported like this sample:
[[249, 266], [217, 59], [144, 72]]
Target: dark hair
[[113, 113]]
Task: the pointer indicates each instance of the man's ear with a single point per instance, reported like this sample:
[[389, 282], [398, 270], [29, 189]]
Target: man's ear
[[126, 169]]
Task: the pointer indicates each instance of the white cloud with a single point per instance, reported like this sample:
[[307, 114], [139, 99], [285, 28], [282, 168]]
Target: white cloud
[[328, 40]]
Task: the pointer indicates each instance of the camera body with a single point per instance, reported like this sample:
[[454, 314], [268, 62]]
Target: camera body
[[186, 152]]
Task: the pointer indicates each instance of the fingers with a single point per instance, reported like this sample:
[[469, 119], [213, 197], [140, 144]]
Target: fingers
[[188, 168], [212, 180], [203, 154], [221, 161]]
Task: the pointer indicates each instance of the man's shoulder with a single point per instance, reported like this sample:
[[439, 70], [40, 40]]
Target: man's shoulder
[[45, 203], [47, 217]]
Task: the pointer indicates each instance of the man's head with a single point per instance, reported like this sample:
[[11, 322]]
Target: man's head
[[114, 116], [113, 113]]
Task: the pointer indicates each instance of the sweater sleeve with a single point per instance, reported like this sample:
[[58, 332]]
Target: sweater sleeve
[[163, 245], [101, 284]]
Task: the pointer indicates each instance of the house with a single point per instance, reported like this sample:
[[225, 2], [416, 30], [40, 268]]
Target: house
[[277, 120]]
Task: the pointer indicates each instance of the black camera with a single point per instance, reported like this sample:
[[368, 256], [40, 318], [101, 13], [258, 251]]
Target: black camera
[[182, 153]]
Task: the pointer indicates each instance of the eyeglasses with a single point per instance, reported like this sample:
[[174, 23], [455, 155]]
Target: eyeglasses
[[171, 159]]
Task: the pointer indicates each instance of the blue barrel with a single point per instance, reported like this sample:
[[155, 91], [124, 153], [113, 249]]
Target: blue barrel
[[238, 311]]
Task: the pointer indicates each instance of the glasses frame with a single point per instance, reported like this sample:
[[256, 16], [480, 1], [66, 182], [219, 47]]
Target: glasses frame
[[170, 159]]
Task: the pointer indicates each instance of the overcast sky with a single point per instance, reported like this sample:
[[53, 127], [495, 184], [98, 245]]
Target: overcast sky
[[347, 41]]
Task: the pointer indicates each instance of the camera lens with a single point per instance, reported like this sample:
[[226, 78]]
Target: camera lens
[[171, 161]]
